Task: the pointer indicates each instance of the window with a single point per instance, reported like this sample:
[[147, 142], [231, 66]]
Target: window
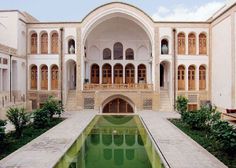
[[191, 78], [44, 43], [181, 44], [95, 74], [54, 77], [141, 73], [129, 54], [202, 44], [34, 77], [106, 74], [202, 78], [54, 43], [118, 51], [34, 43], [118, 74], [191, 44], [71, 46], [164, 46], [192, 107], [107, 54], [181, 77], [44, 77], [129, 74]]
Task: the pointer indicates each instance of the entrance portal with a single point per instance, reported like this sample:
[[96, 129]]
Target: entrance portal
[[118, 106]]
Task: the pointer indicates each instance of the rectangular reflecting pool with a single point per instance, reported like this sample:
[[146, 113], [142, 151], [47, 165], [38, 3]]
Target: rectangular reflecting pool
[[112, 142]]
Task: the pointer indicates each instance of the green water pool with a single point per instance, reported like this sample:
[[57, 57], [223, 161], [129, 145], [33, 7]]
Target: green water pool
[[112, 142]]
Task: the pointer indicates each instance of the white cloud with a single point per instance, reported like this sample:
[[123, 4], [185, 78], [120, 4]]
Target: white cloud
[[183, 13]]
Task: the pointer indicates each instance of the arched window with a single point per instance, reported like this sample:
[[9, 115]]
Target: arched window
[[95, 74], [164, 46], [191, 78], [71, 46], [34, 75], [118, 74], [191, 44], [118, 51], [129, 54], [34, 43], [54, 77], [106, 74], [129, 74], [44, 43], [141, 73], [202, 44], [54, 43], [202, 77], [106, 54], [44, 77], [181, 44], [181, 77]]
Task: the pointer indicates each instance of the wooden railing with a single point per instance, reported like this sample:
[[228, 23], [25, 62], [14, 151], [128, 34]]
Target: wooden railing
[[135, 86]]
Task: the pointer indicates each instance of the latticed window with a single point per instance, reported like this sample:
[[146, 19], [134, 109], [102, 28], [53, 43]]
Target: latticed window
[[129, 74], [44, 77], [129, 54], [181, 77], [181, 44], [95, 74], [54, 77], [106, 74], [34, 43], [202, 78], [202, 44], [141, 73], [118, 74], [118, 51], [34, 77], [54, 43], [191, 78], [191, 44], [107, 54], [44, 43]]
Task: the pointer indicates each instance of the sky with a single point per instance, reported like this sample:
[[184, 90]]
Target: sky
[[76, 10]]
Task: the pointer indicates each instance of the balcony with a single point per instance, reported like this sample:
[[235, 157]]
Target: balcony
[[134, 86]]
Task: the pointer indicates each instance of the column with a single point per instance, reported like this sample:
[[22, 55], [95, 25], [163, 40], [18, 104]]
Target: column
[[197, 78], [112, 74], [38, 45], [135, 74], [49, 43], [123, 74], [100, 74], [38, 78], [1, 80], [49, 78], [186, 44], [197, 44], [186, 78]]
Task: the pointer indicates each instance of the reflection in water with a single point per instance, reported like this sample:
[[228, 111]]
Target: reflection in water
[[108, 144]]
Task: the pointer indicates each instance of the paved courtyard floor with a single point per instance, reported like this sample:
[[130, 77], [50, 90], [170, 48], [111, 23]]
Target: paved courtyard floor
[[179, 150]]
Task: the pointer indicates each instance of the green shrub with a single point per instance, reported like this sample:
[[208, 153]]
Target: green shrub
[[225, 135], [182, 104], [53, 106], [41, 118], [19, 118], [2, 129]]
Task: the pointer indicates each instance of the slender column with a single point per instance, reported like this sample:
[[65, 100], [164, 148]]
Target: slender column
[[38, 78], [49, 44], [186, 44], [197, 79], [123, 74], [197, 44], [136, 74], [49, 78], [186, 78], [100, 74], [1, 80], [112, 74], [38, 45]]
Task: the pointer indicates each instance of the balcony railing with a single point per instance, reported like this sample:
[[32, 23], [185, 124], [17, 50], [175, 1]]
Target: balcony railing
[[135, 86]]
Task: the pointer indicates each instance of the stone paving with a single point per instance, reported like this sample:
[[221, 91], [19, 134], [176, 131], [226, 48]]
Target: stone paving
[[47, 149], [179, 150]]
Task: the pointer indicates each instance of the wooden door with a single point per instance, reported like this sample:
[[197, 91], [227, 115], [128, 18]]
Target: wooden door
[[118, 74], [129, 74], [106, 74], [202, 78], [54, 78], [141, 74], [181, 78], [191, 78], [95, 74], [44, 78], [34, 77]]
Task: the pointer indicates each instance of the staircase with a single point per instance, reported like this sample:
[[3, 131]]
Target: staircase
[[71, 102], [165, 104]]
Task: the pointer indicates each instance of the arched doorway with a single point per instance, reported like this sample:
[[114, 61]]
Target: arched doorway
[[118, 105], [71, 75], [165, 76], [161, 75], [95, 74], [118, 74]]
